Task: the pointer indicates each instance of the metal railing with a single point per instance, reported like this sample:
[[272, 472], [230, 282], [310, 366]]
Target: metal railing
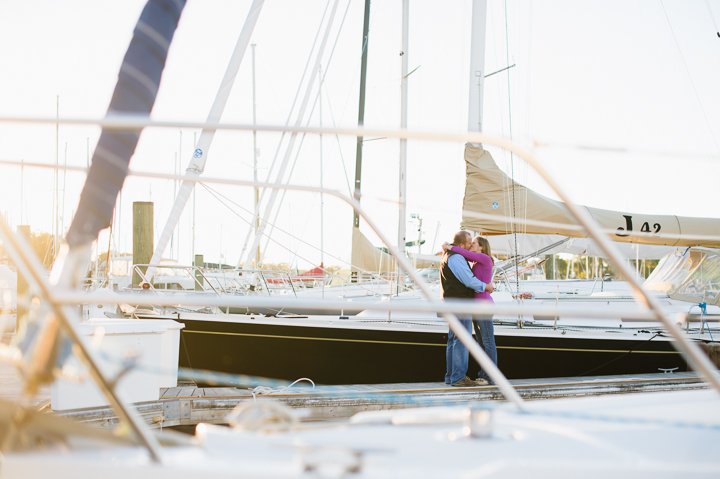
[[146, 284]]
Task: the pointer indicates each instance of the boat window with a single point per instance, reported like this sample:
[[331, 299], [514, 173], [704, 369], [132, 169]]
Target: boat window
[[675, 268], [704, 281]]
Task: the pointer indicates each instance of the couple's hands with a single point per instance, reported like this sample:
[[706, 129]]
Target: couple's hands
[[489, 288]]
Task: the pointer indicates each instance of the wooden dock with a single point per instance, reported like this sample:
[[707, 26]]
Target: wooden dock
[[191, 405]]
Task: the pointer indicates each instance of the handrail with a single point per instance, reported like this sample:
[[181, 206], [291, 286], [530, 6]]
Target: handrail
[[495, 217], [136, 268], [465, 307]]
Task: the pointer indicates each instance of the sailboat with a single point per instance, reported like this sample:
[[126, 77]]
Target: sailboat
[[622, 435], [329, 348]]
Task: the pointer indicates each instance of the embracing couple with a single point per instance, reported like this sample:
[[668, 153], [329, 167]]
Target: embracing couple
[[460, 282]]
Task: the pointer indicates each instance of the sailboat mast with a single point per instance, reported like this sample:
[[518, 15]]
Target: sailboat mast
[[477, 65], [361, 122], [270, 206], [322, 212], [200, 152], [256, 198], [402, 200]]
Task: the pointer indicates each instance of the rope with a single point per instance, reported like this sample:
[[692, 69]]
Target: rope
[[268, 391], [703, 308]]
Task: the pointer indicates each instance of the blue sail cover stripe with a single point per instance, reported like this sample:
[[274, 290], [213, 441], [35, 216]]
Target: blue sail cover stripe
[[135, 93]]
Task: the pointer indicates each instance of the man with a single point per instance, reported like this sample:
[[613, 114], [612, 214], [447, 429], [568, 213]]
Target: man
[[457, 281]]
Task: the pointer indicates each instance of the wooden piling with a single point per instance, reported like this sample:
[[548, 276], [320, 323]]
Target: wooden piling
[[142, 235], [713, 352]]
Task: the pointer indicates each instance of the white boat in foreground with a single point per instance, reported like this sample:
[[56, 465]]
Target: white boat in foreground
[[627, 436]]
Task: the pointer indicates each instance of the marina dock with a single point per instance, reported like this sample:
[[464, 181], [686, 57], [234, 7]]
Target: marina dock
[[188, 405]]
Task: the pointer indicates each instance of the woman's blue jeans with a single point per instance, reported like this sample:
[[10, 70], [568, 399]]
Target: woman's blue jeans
[[485, 336]]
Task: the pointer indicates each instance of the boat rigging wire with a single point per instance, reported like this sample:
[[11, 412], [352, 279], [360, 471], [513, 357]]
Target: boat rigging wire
[[312, 110], [282, 136], [216, 193], [687, 72], [512, 166], [337, 139], [472, 137], [528, 103], [293, 137], [297, 155], [707, 2]]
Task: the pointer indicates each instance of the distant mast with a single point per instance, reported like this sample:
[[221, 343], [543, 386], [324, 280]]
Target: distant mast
[[402, 176], [477, 65], [200, 152], [361, 120]]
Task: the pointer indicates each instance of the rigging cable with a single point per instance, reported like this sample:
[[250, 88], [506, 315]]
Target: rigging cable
[[337, 139], [687, 71], [312, 110], [505, 188], [282, 136], [512, 166], [528, 82], [707, 2], [217, 194]]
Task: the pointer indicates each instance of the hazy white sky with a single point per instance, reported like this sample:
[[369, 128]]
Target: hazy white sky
[[640, 75]]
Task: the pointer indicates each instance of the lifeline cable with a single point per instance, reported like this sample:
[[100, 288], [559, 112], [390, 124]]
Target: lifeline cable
[[216, 194]]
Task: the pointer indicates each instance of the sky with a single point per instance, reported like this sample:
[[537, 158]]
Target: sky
[[622, 96]]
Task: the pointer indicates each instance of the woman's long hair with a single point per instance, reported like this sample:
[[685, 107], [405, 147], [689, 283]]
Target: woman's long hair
[[485, 244]]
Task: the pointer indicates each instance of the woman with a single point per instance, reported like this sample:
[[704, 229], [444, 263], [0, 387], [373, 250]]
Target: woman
[[481, 255]]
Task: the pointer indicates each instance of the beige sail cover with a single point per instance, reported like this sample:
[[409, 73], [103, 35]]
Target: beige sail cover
[[529, 244], [488, 191], [366, 257]]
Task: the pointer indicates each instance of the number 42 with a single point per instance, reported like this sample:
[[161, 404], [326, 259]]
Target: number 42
[[644, 229]]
